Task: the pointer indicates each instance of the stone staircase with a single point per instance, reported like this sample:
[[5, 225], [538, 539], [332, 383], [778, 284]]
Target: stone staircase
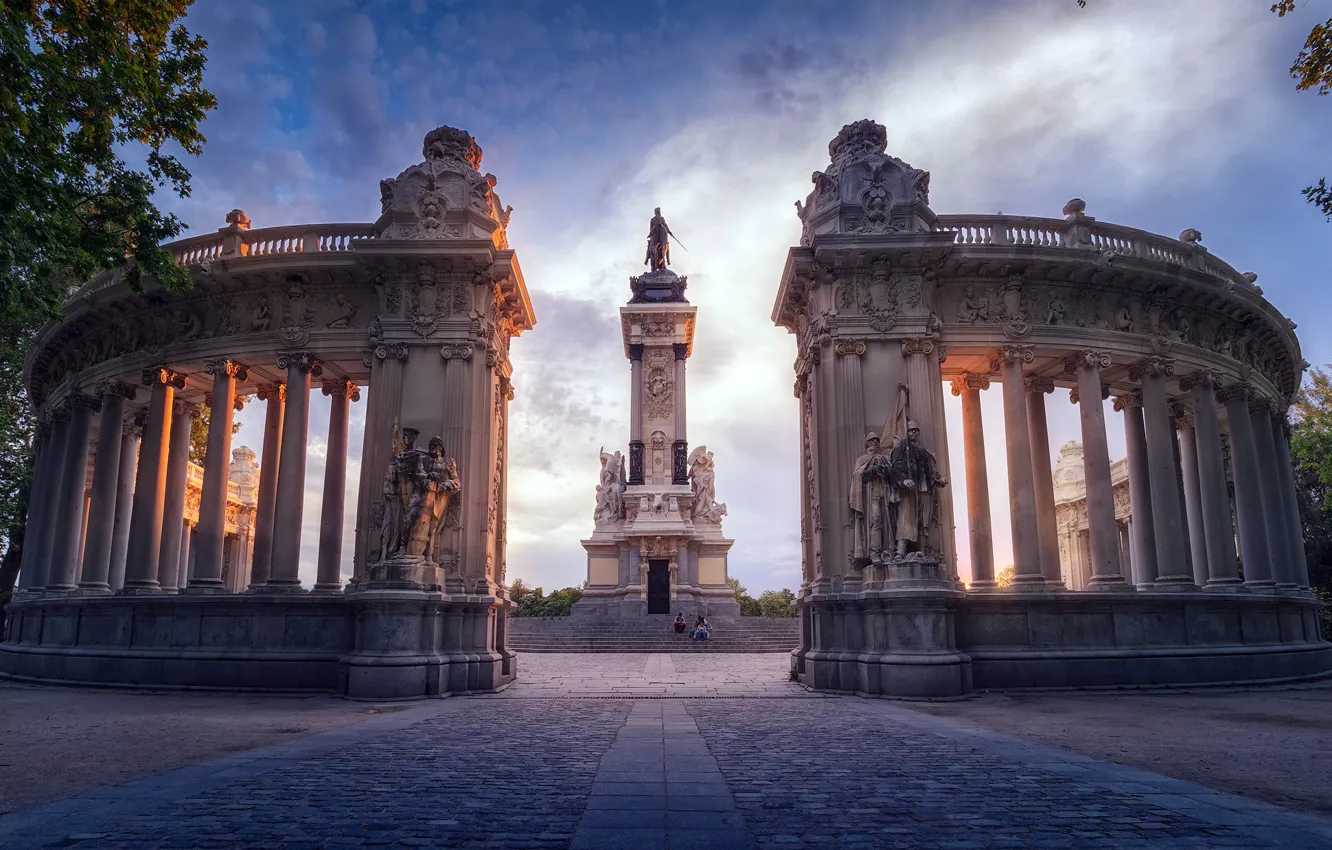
[[650, 634]]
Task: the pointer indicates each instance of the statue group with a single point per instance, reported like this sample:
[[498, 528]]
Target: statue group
[[703, 479], [419, 488], [610, 488], [893, 494]]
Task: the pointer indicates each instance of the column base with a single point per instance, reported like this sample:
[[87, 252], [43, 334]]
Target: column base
[[327, 588], [61, 588], [1174, 584], [282, 587], [1108, 584], [1225, 585], [1262, 586], [140, 590], [93, 589], [985, 585], [205, 590]]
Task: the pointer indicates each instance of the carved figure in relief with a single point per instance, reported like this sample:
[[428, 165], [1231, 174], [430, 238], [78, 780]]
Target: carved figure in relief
[[442, 485], [1054, 314], [914, 480], [973, 308], [345, 311], [610, 488], [702, 477], [405, 486], [1124, 317], [868, 503], [658, 242]]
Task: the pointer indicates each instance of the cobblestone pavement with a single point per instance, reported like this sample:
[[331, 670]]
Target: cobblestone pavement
[[640, 675], [576, 770]]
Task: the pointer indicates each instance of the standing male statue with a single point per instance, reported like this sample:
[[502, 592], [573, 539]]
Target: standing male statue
[[913, 477], [869, 504], [659, 242]]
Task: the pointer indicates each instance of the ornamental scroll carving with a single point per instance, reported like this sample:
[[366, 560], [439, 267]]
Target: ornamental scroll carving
[[658, 384]]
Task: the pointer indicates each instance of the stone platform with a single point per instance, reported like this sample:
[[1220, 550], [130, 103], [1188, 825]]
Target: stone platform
[[651, 634], [368, 644], [714, 768]]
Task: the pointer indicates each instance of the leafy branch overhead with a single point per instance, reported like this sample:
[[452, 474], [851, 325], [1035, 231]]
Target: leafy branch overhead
[[83, 86], [1312, 71]]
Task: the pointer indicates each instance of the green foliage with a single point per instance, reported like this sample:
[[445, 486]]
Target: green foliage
[[16, 431], [80, 84], [199, 433], [532, 602], [1311, 455], [749, 606], [777, 603]]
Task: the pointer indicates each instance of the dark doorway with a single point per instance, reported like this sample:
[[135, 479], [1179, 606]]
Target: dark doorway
[[659, 587]]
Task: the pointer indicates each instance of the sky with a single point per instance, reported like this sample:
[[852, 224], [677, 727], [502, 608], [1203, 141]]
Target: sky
[[1161, 116]]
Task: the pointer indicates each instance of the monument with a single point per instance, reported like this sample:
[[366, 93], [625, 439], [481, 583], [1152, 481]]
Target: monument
[[421, 306], [657, 546], [888, 301]]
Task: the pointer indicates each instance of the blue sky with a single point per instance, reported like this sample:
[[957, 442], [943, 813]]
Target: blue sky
[[1161, 116]]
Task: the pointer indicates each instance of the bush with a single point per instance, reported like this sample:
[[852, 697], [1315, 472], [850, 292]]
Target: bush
[[777, 603], [533, 602]]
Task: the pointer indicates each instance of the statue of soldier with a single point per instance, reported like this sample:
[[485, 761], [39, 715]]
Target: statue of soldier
[[659, 242], [410, 468], [913, 478], [869, 504]]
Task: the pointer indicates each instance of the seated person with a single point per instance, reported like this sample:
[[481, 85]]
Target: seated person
[[679, 624], [701, 629]]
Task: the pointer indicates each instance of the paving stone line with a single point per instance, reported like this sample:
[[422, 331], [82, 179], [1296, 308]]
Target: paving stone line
[[658, 786]]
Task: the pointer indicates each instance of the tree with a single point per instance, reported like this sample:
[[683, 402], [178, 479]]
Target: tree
[[533, 602], [1004, 578], [749, 606], [1311, 455], [199, 433], [1312, 71], [83, 85], [777, 603]]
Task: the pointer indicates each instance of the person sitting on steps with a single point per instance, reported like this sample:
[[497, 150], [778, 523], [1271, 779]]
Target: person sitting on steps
[[679, 624], [701, 628]]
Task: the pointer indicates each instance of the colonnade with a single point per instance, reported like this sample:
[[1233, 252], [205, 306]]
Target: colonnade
[[129, 534], [1181, 536]]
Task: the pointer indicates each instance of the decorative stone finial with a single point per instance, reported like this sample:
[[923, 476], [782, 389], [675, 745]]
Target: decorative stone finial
[[238, 219], [450, 143], [864, 136], [1191, 236], [1251, 277], [1076, 206]]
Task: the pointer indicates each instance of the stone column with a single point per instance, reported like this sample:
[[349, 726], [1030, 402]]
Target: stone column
[[210, 533], [96, 573], [1213, 494], [145, 535], [129, 463], [1102, 530], [177, 484], [923, 356], [979, 527], [1039, 434], [73, 478], [1173, 570], [1021, 482], [37, 516], [290, 503], [636, 413], [265, 500], [850, 397], [680, 451], [1299, 564], [1261, 411], [1254, 553], [49, 506], [1193, 509], [328, 579], [189, 544], [1140, 490]]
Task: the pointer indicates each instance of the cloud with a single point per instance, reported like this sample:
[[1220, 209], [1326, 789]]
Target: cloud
[[1160, 116]]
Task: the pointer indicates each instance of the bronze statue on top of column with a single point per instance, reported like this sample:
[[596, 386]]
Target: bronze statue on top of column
[[659, 242]]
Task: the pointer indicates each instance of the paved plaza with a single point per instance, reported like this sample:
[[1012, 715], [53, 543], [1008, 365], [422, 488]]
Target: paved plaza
[[637, 751]]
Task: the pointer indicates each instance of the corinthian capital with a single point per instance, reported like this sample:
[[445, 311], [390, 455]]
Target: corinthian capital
[[342, 387], [1153, 367], [1012, 354], [303, 360], [1128, 401], [230, 368], [970, 381], [849, 347], [163, 375], [1038, 384], [1086, 359], [1201, 378], [269, 392]]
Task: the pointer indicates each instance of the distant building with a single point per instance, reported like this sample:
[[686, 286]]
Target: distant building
[[242, 494], [1070, 489]]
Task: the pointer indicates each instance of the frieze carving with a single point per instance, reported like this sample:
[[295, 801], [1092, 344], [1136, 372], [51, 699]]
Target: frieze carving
[[658, 385], [1016, 320], [658, 329], [298, 317]]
